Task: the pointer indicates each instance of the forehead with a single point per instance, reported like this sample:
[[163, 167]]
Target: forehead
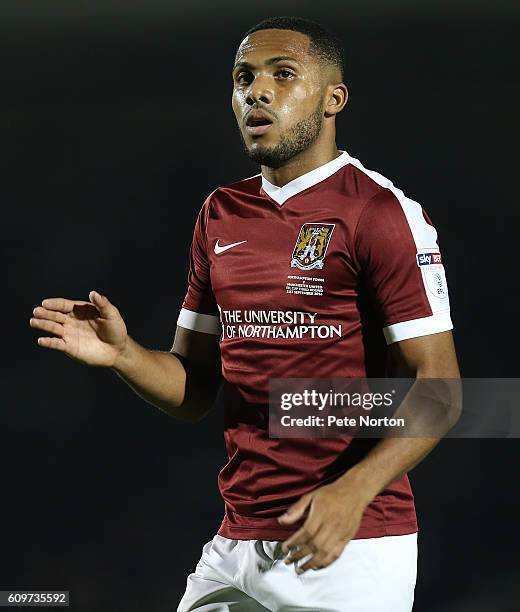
[[264, 44]]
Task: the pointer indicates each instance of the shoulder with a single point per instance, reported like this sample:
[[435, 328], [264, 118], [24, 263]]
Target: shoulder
[[243, 187], [374, 187], [384, 202], [225, 199]]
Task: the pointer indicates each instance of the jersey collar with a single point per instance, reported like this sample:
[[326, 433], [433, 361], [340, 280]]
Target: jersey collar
[[309, 179]]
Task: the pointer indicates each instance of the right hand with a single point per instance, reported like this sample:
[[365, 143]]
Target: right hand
[[90, 332]]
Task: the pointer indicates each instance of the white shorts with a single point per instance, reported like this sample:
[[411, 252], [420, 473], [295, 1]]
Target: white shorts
[[370, 575]]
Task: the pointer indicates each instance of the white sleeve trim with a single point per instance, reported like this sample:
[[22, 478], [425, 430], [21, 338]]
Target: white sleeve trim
[[438, 322], [199, 322], [425, 238]]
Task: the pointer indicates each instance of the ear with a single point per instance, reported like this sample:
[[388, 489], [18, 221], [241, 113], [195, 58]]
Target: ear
[[336, 98]]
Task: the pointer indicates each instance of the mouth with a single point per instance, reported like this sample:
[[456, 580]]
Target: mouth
[[258, 123]]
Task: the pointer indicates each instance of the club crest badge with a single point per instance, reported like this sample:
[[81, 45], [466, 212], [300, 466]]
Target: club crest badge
[[311, 246]]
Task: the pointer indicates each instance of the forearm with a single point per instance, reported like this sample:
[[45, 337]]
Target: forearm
[[429, 411], [157, 377], [388, 460]]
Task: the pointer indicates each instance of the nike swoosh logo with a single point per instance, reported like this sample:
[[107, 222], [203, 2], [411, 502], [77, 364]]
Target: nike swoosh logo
[[220, 249]]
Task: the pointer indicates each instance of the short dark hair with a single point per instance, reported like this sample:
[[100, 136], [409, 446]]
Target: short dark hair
[[324, 43]]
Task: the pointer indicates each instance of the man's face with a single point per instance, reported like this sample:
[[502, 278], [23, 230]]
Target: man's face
[[278, 91]]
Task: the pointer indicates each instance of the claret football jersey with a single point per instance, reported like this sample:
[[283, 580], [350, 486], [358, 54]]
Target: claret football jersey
[[312, 279]]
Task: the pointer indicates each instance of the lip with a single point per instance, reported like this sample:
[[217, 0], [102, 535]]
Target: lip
[[258, 130], [251, 122]]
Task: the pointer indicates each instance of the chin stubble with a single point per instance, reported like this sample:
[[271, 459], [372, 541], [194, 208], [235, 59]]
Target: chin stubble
[[293, 141]]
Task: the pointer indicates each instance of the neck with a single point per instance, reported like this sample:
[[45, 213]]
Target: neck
[[311, 158]]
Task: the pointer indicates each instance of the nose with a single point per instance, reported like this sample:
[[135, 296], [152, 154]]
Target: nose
[[260, 91]]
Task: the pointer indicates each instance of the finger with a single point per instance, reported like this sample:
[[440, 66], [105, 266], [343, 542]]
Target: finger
[[295, 511], [61, 304], [52, 315], [334, 536], [299, 553], [53, 343], [328, 537], [318, 561], [102, 303], [302, 536], [325, 556], [310, 564], [323, 539], [48, 326]]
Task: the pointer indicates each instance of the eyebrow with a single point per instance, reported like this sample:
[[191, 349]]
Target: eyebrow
[[269, 62]]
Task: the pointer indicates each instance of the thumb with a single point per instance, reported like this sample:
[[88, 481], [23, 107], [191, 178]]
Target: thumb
[[296, 511], [101, 302]]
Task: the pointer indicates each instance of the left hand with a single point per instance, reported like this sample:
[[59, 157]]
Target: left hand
[[335, 513]]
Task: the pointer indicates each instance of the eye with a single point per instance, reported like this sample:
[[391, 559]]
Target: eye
[[243, 78], [285, 73]]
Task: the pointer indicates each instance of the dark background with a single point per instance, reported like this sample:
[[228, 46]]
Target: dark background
[[115, 125]]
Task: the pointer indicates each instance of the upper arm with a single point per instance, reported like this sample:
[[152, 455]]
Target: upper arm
[[401, 267], [198, 351], [196, 341], [430, 356], [199, 354], [198, 324]]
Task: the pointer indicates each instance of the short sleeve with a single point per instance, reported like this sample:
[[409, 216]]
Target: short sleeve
[[199, 310], [401, 267]]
